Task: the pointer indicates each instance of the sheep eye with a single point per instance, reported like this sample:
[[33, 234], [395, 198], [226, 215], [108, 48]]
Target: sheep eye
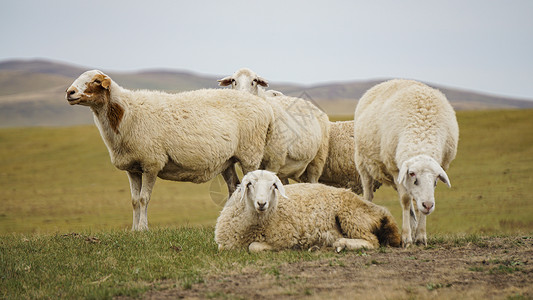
[[412, 174], [97, 81]]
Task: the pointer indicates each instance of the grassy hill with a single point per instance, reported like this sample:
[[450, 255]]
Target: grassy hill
[[32, 92], [61, 179]]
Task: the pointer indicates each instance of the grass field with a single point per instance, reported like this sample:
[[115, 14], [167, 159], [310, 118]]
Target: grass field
[[66, 213], [61, 179]]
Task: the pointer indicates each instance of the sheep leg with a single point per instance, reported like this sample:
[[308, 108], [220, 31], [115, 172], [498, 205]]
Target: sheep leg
[[148, 181], [367, 182], [135, 187], [258, 247], [421, 237], [405, 201], [351, 244], [231, 178], [414, 221]]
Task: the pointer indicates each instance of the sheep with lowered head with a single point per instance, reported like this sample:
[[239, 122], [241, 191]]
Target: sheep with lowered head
[[190, 136], [406, 136], [263, 214], [300, 135]]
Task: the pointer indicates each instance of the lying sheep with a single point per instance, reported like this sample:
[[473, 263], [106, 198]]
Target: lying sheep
[[263, 214], [339, 168], [406, 136], [190, 136], [301, 131]]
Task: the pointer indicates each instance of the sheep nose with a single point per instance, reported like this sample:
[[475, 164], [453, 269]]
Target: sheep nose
[[71, 92], [261, 205], [427, 205]]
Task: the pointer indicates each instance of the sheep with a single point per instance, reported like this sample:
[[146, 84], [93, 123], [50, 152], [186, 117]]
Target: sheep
[[406, 136], [247, 80], [301, 131], [190, 136], [339, 168], [263, 214]]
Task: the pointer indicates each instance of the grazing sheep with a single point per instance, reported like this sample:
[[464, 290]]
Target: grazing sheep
[[190, 136], [245, 79], [301, 131], [339, 170], [263, 214], [406, 136]]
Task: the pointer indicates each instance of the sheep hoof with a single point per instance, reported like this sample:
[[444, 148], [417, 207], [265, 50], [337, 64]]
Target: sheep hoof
[[421, 240], [406, 242], [314, 248], [339, 249]]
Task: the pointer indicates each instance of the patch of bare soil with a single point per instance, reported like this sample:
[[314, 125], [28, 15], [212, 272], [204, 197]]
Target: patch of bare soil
[[488, 268]]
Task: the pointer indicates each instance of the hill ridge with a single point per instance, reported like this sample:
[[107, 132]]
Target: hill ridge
[[31, 92]]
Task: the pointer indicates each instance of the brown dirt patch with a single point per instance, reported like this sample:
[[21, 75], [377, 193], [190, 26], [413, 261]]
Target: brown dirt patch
[[488, 268]]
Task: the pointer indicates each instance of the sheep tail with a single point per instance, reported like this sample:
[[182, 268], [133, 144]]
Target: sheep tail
[[388, 233]]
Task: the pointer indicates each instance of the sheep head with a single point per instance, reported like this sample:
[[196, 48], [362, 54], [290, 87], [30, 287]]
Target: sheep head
[[419, 176], [244, 80], [90, 89], [260, 189]]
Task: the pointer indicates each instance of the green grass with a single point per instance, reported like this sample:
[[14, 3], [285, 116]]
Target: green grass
[[61, 179], [119, 262]]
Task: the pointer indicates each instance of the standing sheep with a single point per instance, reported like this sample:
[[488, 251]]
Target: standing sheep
[[190, 136], [263, 214], [245, 79], [406, 136], [301, 131], [339, 168]]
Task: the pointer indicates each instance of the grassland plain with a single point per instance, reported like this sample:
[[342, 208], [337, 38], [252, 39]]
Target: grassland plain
[[65, 216], [57, 179]]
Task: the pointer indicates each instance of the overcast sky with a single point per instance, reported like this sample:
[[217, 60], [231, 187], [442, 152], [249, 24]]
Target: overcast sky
[[481, 45]]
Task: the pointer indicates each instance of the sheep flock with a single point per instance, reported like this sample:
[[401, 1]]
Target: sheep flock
[[404, 134]]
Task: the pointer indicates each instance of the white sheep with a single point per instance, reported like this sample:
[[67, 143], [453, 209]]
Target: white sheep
[[339, 168], [301, 131], [245, 79], [263, 214], [406, 136], [190, 136]]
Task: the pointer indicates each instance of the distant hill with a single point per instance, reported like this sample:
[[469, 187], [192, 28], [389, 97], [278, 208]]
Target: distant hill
[[32, 92]]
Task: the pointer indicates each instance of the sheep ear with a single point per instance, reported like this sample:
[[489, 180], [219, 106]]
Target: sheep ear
[[444, 178], [262, 82], [281, 189], [244, 187], [225, 81], [402, 175], [102, 80], [106, 82]]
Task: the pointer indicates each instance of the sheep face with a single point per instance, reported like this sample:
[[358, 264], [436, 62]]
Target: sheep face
[[419, 176], [89, 89], [244, 80], [259, 190]]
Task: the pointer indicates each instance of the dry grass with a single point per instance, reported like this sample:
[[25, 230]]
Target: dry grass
[[61, 179]]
